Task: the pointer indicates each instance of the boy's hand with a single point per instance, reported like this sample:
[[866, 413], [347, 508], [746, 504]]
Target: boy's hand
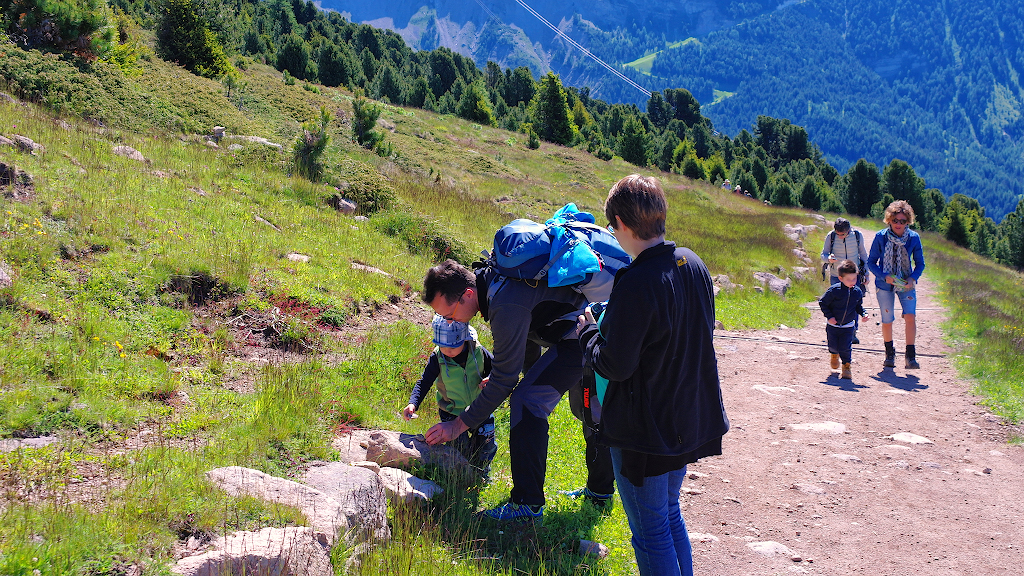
[[409, 412], [832, 321], [483, 383]]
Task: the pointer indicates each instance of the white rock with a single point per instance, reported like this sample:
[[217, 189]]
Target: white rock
[[910, 438], [771, 390], [846, 457], [129, 153], [296, 257], [279, 551], [700, 537], [769, 548], [827, 427], [808, 488]]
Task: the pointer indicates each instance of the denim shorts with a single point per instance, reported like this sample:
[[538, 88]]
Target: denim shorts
[[887, 303]]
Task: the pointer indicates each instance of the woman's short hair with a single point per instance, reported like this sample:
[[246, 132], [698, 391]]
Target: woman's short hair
[[841, 225], [898, 207], [846, 267], [640, 202]]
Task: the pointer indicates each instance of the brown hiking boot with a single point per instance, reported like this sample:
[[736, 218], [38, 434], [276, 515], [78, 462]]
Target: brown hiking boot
[[834, 362], [847, 372]]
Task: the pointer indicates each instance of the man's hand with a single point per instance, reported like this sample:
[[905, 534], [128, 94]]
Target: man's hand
[[445, 431], [864, 318], [483, 383]]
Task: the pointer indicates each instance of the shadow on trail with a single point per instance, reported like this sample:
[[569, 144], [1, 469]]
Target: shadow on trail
[[908, 383], [842, 383]]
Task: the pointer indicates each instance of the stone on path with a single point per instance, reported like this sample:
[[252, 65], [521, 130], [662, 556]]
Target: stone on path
[[910, 438], [808, 488], [769, 548], [293, 551], [846, 457], [701, 537], [771, 390], [827, 427]]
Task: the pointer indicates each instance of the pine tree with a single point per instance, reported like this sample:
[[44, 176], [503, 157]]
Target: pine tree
[[552, 119]]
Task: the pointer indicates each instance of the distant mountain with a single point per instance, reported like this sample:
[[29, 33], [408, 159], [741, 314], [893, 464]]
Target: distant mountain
[[932, 82]]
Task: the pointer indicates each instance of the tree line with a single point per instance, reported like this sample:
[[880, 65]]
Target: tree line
[[774, 162]]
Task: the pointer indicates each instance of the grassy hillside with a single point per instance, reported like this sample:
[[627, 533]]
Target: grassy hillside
[[158, 327]]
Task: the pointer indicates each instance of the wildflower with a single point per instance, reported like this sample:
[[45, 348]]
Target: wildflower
[[118, 344]]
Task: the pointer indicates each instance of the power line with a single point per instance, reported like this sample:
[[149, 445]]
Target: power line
[[582, 49]]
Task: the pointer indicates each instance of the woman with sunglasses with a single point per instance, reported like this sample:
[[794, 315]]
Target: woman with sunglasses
[[897, 262]]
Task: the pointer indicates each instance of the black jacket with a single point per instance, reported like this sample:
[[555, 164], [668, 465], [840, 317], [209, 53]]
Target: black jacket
[[842, 303], [663, 395]]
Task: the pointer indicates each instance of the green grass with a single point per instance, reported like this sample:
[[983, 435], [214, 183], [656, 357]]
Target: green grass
[[644, 63], [131, 281]]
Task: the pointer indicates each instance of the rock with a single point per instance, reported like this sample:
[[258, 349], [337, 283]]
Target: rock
[[769, 548], [771, 390], [719, 325], [351, 446], [26, 144], [5, 97], [10, 445], [595, 549], [775, 284], [296, 257], [818, 218], [218, 132], [407, 488], [802, 272], [235, 147], [325, 514], [362, 219], [909, 438], [7, 142], [267, 222], [371, 269], [5, 277], [129, 153], [700, 537], [255, 139], [759, 289], [211, 144], [846, 457], [385, 124], [395, 449], [800, 254], [808, 488], [279, 551], [360, 493], [715, 290], [62, 124], [827, 427], [343, 205]]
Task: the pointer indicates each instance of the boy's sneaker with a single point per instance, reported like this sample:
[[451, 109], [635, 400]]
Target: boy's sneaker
[[834, 362], [513, 511], [598, 500]]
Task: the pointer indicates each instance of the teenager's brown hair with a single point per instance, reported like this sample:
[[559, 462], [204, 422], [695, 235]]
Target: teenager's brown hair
[[846, 267], [640, 202]]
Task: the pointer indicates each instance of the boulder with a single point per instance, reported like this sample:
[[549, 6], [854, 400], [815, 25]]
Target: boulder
[[5, 276], [7, 142], [343, 205], [407, 488], [325, 514], [360, 494], [774, 283], [802, 272], [26, 144], [129, 153], [395, 449], [292, 551], [296, 257]]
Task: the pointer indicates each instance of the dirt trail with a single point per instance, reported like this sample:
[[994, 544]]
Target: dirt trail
[[859, 501]]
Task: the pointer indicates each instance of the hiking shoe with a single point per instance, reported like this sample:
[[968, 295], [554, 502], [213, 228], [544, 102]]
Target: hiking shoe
[[834, 362], [890, 360], [598, 500], [847, 372], [912, 363], [513, 511]]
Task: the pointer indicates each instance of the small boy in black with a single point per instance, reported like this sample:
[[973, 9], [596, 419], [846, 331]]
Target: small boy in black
[[841, 304]]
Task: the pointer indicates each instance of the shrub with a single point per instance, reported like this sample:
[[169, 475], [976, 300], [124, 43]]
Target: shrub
[[423, 236], [62, 24], [534, 140], [370, 190], [310, 145], [366, 114]]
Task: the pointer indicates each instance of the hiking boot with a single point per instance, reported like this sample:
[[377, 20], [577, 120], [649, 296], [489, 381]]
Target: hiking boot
[[912, 363], [847, 372], [513, 511], [890, 360], [598, 500], [912, 356], [834, 362]]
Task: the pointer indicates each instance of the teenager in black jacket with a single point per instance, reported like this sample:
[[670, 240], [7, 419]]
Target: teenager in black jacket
[[663, 405]]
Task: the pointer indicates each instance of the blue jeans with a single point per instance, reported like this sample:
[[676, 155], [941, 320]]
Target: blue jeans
[[660, 540]]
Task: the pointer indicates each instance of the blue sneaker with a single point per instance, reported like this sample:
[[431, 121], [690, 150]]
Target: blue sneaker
[[513, 511], [599, 500]]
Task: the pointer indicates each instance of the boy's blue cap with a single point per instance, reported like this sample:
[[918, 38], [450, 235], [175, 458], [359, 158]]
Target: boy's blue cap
[[451, 334]]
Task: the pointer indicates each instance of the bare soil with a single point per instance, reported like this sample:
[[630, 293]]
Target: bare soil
[[857, 501]]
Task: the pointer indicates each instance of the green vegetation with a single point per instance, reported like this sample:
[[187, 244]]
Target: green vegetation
[[141, 291]]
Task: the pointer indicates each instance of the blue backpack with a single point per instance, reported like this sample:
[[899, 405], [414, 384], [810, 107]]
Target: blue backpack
[[567, 250]]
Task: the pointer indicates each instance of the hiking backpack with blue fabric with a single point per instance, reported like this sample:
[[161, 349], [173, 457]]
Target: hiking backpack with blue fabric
[[569, 249]]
